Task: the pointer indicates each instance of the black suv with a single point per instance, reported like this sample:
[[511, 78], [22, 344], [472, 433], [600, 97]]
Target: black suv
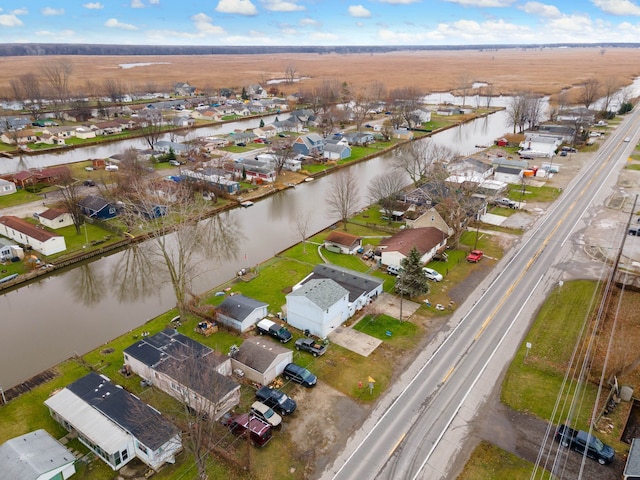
[[299, 375], [277, 400]]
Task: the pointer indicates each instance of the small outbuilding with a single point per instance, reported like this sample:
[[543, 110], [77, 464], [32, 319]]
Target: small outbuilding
[[240, 313], [261, 359], [343, 242], [632, 467]]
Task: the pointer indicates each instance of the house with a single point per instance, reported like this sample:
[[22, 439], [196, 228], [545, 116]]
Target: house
[[430, 218], [9, 250], [419, 196], [469, 167], [311, 144], [253, 170], [60, 132], [632, 466], [84, 133], [362, 288], [214, 180], [342, 241], [359, 138], [540, 145], [94, 206], [187, 370], [336, 151], [240, 312], [21, 137], [55, 218], [114, 424], [183, 89], [261, 359], [241, 137], [318, 306], [419, 116], [183, 121], [268, 131], [36, 456], [166, 146], [508, 174], [402, 134], [567, 132], [107, 128], [23, 232], [428, 241], [49, 139], [7, 187]]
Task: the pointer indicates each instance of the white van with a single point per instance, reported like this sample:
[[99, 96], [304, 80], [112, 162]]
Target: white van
[[394, 269]]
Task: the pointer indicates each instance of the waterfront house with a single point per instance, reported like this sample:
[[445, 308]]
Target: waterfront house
[[114, 424], [7, 187], [9, 250], [240, 313], [94, 206], [343, 241], [428, 241], [25, 233], [55, 218], [261, 359], [311, 144], [187, 370]]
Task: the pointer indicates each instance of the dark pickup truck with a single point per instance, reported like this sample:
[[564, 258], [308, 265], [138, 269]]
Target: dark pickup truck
[[275, 330], [310, 345], [580, 441]]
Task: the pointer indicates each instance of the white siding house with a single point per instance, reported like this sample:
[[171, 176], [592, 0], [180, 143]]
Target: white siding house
[[114, 424], [318, 306], [54, 218], [261, 359], [7, 187], [43, 241], [240, 312]]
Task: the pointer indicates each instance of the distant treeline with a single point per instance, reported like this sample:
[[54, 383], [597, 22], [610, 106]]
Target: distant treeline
[[29, 49]]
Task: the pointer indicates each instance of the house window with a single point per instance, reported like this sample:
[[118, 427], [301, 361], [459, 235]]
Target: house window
[[116, 458], [125, 455], [142, 448], [126, 357]]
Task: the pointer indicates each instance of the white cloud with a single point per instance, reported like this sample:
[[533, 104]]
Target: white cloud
[[540, 9], [114, 23], [51, 12], [154, 2], [137, 4], [10, 21], [282, 6], [93, 6], [241, 7], [204, 25], [399, 2], [60, 34], [323, 36], [308, 22], [617, 7], [482, 3], [19, 11], [288, 31], [359, 11]]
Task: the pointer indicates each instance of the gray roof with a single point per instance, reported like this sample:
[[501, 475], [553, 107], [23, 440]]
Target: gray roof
[[93, 202], [259, 353], [355, 282], [323, 292], [508, 170], [632, 468], [31, 455], [239, 307]]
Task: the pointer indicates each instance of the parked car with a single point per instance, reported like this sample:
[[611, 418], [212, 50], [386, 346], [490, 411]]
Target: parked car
[[563, 153], [506, 202], [241, 144], [111, 168], [634, 231], [299, 375], [394, 270], [89, 183], [174, 163], [283, 135], [580, 441], [276, 399], [569, 149], [310, 345], [432, 274], [259, 430], [273, 329], [627, 139], [266, 413], [474, 256]]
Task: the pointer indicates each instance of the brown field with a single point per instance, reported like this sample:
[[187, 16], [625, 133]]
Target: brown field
[[546, 71]]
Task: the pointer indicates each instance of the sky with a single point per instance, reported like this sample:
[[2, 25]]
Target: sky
[[319, 22]]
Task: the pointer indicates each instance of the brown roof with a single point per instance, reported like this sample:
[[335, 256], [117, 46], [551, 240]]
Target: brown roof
[[424, 239], [342, 238], [28, 229], [259, 353], [52, 213]]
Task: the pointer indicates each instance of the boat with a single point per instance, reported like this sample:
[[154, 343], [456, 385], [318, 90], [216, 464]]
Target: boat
[[8, 278], [308, 179], [246, 203], [291, 185]]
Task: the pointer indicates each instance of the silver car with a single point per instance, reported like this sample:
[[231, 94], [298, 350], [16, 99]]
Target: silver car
[[263, 412]]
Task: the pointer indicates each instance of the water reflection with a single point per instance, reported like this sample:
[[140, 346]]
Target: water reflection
[[134, 277], [87, 284]]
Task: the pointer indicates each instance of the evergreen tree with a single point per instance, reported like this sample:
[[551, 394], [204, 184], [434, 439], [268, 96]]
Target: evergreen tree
[[171, 155], [244, 173], [261, 123], [244, 95], [412, 281]]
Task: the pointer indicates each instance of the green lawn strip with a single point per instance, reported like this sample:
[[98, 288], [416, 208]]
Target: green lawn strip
[[20, 197], [502, 211], [633, 167], [534, 194], [532, 385], [484, 242], [378, 325], [489, 462]]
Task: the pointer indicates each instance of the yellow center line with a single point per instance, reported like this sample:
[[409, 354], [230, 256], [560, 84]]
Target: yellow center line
[[395, 447], [446, 377]]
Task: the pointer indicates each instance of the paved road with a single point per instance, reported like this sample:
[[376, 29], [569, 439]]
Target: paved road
[[421, 425]]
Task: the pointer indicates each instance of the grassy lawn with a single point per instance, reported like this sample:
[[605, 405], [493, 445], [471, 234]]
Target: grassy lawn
[[633, 166], [378, 325], [534, 194], [532, 385], [18, 198], [488, 462]]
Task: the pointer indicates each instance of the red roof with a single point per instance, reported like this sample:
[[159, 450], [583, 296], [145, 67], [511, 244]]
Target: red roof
[[52, 213], [28, 229], [342, 238], [424, 239]]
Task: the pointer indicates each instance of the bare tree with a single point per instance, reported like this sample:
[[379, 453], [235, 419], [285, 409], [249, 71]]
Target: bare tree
[[610, 88], [590, 92], [384, 189], [301, 222], [342, 197], [71, 194], [464, 85], [359, 106], [404, 102], [114, 89], [290, 74], [56, 74], [282, 152], [533, 110], [516, 111], [181, 235], [153, 129], [487, 92], [88, 284], [27, 89], [416, 158]]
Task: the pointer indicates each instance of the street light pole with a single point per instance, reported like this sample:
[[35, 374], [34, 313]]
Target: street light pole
[[86, 237]]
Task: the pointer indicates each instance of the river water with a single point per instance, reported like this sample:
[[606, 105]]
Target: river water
[[77, 310]]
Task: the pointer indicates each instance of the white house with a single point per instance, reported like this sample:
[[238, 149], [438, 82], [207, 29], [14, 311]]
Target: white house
[[427, 240], [185, 369], [508, 174], [240, 312], [55, 218], [36, 456], [540, 145], [319, 306], [7, 187], [43, 241], [114, 424], [8, 250], [430, 218], [261, 359], [342, 241]]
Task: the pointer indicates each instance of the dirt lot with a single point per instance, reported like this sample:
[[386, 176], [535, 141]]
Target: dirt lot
[[545, 70]]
